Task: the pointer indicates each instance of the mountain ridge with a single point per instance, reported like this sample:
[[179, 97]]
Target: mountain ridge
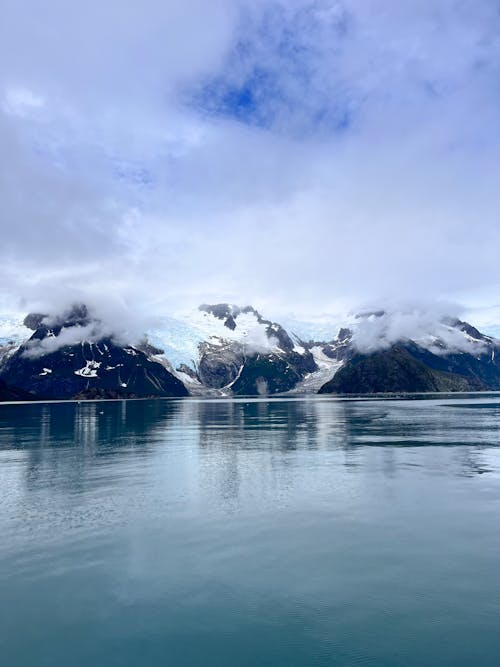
[[235, 351]]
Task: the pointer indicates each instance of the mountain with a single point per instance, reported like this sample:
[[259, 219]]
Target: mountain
[[236, 351], [393, 370], [228, 350], [72, 357], [242, 353], [465, 361]]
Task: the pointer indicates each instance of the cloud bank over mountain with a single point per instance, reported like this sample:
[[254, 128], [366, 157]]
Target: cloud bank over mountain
[[305, 155], [425, 324]]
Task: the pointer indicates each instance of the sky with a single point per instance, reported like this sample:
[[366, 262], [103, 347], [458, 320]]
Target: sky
[[306, 156]]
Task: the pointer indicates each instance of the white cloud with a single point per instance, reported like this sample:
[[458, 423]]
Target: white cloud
[[425, 324], [21, 101], [294, 155]]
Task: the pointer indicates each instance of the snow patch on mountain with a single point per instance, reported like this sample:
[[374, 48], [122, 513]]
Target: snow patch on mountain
[[89, 370], [248, 331], [180, 336], [13, 331], [327, 368]]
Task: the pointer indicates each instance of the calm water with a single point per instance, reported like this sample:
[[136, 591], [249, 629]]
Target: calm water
[[250, 532]]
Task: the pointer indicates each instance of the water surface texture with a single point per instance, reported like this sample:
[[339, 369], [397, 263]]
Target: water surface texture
[[251, 532]]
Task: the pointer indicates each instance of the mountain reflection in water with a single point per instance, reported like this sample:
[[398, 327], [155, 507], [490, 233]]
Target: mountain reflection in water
[[290, 532]]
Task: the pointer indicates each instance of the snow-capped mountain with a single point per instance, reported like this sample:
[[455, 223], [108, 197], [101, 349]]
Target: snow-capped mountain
[[224, 350], [450, 355], [237, 351], [233, 350], [72, 356]]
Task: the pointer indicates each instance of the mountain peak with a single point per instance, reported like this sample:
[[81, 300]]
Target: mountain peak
[[229, 312], [75, 315]]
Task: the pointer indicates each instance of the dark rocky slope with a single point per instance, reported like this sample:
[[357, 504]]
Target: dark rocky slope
[[272, 373], [8, 393]]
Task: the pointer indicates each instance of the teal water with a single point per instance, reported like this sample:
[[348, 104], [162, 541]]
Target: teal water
[[251, 532]]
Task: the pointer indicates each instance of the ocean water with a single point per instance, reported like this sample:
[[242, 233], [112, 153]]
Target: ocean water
[[303, 532]]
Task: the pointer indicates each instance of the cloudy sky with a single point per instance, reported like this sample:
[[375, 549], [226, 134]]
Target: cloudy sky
[[302, 155]]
